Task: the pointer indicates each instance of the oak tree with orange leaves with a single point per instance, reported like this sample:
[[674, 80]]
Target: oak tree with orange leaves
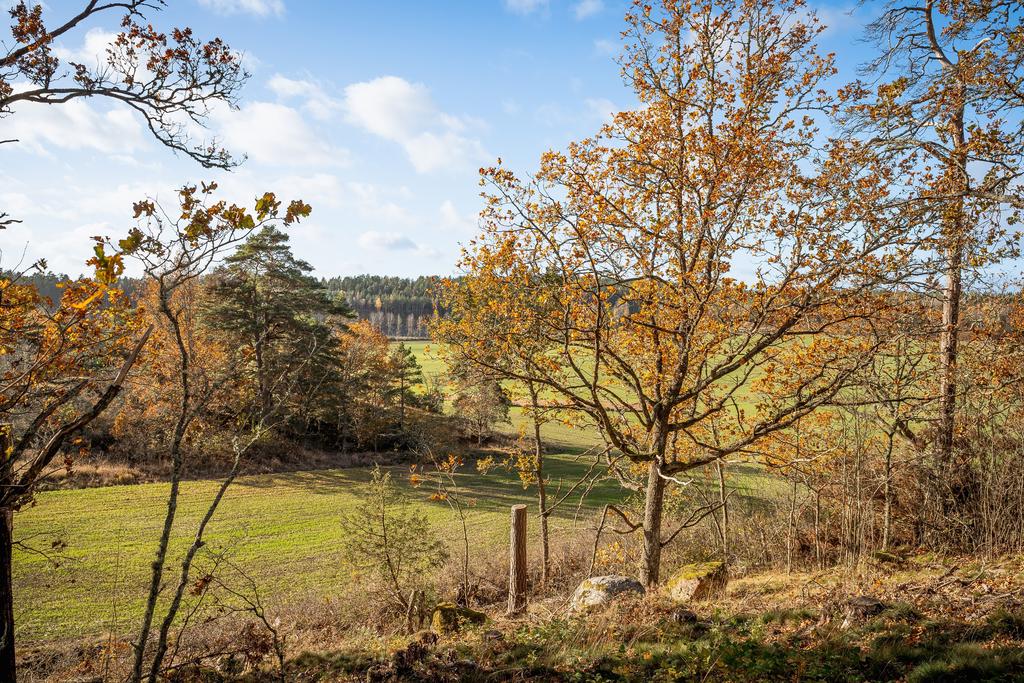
[[171, 79], [698, 267], [61, 366]]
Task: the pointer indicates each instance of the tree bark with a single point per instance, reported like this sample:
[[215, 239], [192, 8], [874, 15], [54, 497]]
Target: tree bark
[[653, 508], [177, 464], [517, 561], [790, 529], [887, 509], [542, 494], [723, 499], [952, 293], [8, 672]]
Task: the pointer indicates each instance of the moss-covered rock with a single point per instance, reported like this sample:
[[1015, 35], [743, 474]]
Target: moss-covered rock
[[450, 618], [697, 581], [598, 591]]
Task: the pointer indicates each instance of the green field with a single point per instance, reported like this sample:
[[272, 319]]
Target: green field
[[283, 529], [434, 366]]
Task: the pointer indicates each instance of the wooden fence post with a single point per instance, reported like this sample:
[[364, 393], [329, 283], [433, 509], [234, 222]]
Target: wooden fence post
[[517, 561]]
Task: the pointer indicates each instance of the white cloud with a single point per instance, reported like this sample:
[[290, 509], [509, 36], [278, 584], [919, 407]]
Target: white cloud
[[259, 8], [75, 125], [403, 112], [377, 203], [317, 102], [603, 46], [390, 107], [587, 8], [386, 241], [396, 110], [93, 51], [525, 6], [60, 217], [276, 134], [454, 220], [602, 108]]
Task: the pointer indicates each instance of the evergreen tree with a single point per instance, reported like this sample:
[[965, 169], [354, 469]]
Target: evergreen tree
[[408, 373], [281, 317]]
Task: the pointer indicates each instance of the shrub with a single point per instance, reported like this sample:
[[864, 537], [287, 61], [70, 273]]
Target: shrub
[[388, 540]]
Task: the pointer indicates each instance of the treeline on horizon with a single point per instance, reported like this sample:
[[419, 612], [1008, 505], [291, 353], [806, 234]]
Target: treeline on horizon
[[400, 307]]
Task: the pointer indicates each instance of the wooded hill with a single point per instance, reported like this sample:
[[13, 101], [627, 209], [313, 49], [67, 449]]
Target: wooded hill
[[399, 307]]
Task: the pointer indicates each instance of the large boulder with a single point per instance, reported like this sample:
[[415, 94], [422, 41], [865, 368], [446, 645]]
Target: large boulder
[[598, 591], [450, 618], [697, 581]]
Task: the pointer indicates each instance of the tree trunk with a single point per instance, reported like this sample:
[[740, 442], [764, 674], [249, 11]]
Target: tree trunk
[[8, 673], [948, 348], [953, 236], [887, 509], [156, 580], [401, 401], [177, 464], [817, 529], [517, 561], [725, 510], [261, 380], [789, 531], [654, 504], [542, 503], [186, 566]]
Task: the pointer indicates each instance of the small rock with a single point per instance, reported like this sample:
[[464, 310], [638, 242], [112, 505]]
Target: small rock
[[884, 557], [598, 591], [494, 636], [683, 616], [428, 638], [697, 581], [449, 618], [860, 608]]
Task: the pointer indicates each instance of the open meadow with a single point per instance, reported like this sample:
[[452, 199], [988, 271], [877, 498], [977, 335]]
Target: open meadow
[[725, 370], [283, 529]]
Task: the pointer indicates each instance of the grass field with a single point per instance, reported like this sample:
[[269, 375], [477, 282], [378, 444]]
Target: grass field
[[282, 528], [434, 366]]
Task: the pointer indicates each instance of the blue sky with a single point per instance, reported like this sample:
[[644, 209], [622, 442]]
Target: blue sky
[[377, 113]]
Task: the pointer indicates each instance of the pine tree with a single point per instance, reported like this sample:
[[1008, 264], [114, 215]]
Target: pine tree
[[281, 317]]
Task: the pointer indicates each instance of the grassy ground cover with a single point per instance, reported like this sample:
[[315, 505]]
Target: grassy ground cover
[[282, 528]]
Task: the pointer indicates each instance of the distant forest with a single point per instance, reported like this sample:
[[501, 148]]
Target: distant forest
[[399, 307]]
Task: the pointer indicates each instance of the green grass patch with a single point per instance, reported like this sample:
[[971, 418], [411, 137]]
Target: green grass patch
[[281, 528]]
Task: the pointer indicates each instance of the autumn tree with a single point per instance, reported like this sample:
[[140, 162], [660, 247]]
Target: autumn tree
[[374, 389], [478, 398], [466, 334], [175, 249], [171, 79], [62, 364], [944, 100], [710, 250]]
